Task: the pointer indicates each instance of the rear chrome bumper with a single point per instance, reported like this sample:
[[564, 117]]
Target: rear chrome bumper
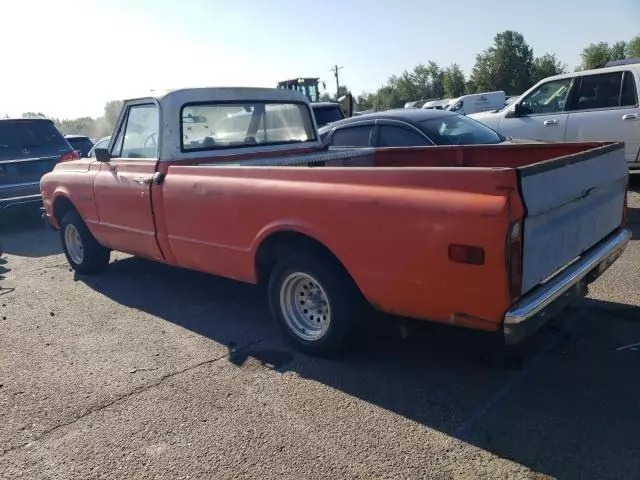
[[547, 300]]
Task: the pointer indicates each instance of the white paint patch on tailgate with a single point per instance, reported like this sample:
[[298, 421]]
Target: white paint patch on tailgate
[[570, 208]]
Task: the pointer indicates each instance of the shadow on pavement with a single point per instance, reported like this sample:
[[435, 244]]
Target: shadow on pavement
[[23, 233], [571, 409], [3, 269]]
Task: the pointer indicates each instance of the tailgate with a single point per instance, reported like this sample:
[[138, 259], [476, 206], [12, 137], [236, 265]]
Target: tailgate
[[571, 204], [18, 175]]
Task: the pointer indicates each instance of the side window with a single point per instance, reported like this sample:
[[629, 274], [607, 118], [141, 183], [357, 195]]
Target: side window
[[104, 143], [458, 106], [138, 135], [548, 98], [390, 136], [629, 94], [598, 91], [352, 136]]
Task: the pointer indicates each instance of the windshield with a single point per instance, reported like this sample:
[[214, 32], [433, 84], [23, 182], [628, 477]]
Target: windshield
[[23, 138], [24, 134], [459, 130], [81, 144], [227, 125], [326, 115]]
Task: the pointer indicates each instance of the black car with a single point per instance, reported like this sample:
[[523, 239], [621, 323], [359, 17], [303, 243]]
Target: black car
[[29, 148], [408, 127], [80, 143], [326, 112]]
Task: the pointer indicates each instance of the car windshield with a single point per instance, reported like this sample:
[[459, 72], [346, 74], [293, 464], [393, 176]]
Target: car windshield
[[459, 130], [82, 144], [224, 125]]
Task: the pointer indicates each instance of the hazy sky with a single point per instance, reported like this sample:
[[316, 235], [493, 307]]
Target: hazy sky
[[66, 58]]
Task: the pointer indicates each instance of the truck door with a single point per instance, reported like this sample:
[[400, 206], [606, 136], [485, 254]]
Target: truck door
[[122, 188], [542, 115], [605, 107]]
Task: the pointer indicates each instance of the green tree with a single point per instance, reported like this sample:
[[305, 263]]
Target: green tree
[[506, 65], [618, 51], [453, 81], [633, 48], [366, 101], [327, 97], [595, 54], [387, 97], [77, 126], [546, 66], [111, 112], [470, 87]]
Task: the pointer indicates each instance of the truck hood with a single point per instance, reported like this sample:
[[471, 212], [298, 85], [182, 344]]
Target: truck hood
[[480, 116]]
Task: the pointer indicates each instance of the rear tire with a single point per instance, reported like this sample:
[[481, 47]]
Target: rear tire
[[83, 252], [314, 302]]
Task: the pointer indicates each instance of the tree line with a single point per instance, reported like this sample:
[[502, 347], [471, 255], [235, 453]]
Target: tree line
[[91, 127], [508, 64]]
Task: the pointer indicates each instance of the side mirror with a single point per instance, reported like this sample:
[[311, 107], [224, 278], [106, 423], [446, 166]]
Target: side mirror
[[519, 110], [346, 105], [102, 154]]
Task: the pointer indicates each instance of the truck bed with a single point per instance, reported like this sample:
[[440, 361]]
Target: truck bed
[[476, 156], [395, 211]]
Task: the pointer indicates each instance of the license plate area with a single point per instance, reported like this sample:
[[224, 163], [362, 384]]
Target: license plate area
[[25, 172]]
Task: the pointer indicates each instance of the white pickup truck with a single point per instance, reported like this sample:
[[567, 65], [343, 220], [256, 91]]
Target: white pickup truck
[[593, 105]]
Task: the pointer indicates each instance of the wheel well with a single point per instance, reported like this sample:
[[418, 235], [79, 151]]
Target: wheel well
[[62, 206], [280, 243]]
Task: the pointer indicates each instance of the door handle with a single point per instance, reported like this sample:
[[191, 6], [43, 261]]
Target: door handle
[[143, 180], [550, 123], [630, 116]]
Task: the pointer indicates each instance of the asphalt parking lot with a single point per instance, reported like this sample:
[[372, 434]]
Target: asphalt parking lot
[[152, 372]]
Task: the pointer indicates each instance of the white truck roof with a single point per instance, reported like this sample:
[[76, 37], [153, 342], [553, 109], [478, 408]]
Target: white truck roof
[[175, 98], [170, 103], [593, 71]]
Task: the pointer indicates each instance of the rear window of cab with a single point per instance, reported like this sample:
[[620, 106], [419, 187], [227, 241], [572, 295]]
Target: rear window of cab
[[212, 126]]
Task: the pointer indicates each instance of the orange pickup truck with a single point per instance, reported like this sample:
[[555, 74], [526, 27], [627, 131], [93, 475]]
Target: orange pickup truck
[[236, 182]]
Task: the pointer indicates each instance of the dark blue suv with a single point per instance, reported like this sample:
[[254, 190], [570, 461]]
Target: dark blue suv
[[29, 148]]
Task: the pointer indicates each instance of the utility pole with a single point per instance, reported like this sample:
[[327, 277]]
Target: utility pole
[[335, 69]]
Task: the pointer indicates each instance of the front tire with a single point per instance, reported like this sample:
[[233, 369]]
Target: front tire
[[314, 303], [83, 252]]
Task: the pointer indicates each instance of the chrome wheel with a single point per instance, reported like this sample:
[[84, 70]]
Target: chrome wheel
[[305, 306], [74, 245]]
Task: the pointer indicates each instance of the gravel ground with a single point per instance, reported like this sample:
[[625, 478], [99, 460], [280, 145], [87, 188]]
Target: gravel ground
[[152, 372]]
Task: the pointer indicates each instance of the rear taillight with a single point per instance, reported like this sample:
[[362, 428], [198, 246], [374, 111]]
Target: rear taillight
[[515, 260], [67, 157]]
